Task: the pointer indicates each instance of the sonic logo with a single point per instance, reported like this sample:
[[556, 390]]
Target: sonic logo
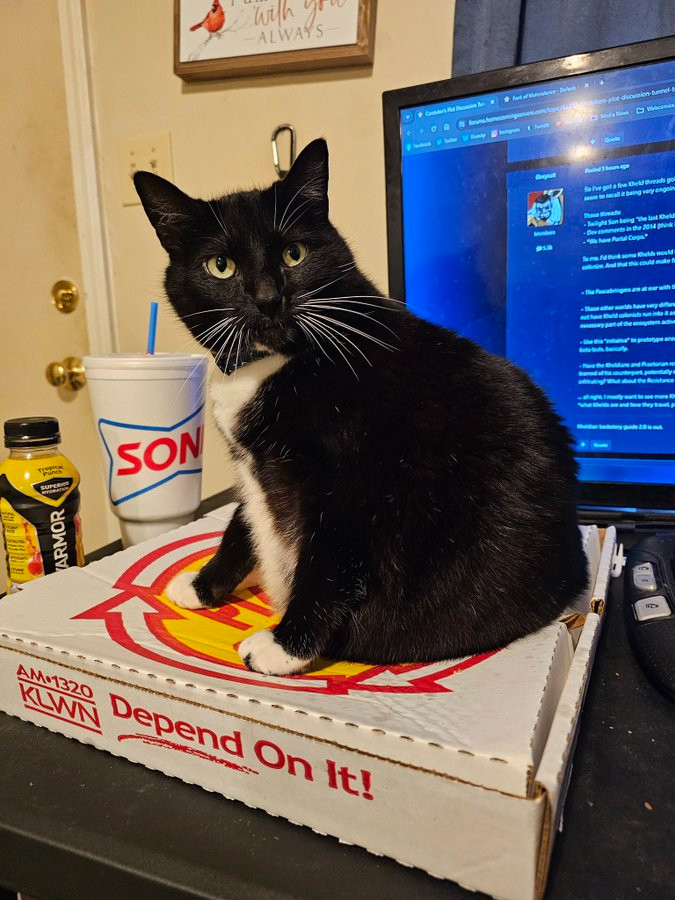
[[152, 454], [140, 618]]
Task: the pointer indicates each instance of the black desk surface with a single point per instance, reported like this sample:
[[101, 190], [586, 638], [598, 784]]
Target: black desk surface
[[76, 822]]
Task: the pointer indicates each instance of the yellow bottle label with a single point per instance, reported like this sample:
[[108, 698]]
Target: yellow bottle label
[[47, 480], [24, 560], [39, 510]]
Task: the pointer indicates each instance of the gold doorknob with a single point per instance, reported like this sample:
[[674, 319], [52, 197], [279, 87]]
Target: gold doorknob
[[68, 374], [65, 296]]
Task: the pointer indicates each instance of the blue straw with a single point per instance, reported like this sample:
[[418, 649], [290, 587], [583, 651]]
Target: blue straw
[[152, 327]]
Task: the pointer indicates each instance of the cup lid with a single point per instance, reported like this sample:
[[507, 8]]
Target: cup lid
[[155, 361]]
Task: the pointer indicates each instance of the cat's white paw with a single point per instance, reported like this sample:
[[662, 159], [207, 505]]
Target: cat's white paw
[[181, 592], [262, 653]]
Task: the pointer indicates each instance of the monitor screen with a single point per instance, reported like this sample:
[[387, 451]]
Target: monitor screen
[[539, 220]]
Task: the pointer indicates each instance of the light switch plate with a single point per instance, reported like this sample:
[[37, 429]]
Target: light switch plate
[[149, 153]]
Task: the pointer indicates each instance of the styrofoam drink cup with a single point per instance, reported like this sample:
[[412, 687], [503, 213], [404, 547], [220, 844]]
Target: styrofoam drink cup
[[149, 414]]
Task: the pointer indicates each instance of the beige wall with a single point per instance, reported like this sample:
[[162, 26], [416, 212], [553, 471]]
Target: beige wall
[[221, 131], [38, 246]]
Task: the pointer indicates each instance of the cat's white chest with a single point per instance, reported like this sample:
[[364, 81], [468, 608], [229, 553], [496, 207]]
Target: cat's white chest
[[232, 392], [276, 553]]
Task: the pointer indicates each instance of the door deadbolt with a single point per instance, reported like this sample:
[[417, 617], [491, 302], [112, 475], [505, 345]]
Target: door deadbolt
[[65, 296]]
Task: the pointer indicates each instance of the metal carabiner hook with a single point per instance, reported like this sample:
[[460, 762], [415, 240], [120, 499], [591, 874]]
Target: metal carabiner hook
[[282, 173]]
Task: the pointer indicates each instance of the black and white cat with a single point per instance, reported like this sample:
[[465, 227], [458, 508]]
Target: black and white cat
[[406, 495]]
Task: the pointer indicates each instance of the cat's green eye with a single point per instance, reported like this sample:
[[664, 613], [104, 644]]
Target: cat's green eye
[[294, 254], [221, 266]]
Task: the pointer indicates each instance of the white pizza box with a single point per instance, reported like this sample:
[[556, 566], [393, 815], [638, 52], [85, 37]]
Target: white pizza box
[[455, 767]]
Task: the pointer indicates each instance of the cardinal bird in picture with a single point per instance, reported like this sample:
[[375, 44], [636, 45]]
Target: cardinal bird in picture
[[214, 20]]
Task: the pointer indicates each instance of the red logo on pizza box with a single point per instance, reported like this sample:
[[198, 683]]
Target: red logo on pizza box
[[140, 618], [58, 697]]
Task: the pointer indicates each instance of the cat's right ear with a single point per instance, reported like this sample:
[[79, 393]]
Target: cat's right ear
[[171, 212], [307, 179]]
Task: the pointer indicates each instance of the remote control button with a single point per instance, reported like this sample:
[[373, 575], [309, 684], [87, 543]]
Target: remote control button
[[651, 608], [643, 577], [644, 582]]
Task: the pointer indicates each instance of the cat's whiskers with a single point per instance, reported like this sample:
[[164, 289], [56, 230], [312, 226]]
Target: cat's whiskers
[[219, 324], [351, 328], [228, 343], [222, 333], [236, 358], [312, 335], [342, 338], [213, 330], [320, 329], [185, 346], [336, 341], [201, 312], [327, 284], [241, 346], [313, 340], [191, 337], [223, 340], [222, 350], [318, 305], [365, 297], [186, 381], [223, 336], [202, 383], [217, 328], [202, 336], [229, 352], [320, 301]]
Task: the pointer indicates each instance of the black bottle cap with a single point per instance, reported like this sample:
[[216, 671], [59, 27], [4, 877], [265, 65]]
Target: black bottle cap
[[32, 431]]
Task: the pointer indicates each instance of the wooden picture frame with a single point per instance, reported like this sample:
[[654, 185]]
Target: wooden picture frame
[[256, 25]]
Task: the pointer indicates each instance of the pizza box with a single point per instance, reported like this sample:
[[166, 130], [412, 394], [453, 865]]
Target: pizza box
[[455, 767]]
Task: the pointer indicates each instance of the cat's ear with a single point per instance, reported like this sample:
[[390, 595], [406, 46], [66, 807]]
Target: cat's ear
[[171, 212], [308, 178]]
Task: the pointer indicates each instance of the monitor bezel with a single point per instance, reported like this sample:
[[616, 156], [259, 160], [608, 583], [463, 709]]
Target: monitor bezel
[[637, 499]]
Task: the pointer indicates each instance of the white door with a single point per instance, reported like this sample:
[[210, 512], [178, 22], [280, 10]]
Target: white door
[[39, 245]]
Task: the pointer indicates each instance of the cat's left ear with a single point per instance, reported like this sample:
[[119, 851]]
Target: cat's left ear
[[171, 212], [308, 178]]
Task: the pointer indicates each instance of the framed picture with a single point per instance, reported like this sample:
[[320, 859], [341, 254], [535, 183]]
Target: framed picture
[[227, 38]]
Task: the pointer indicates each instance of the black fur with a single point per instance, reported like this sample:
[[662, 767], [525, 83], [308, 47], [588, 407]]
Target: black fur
[[431, 484]]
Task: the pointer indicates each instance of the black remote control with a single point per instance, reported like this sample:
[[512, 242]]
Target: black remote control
[[649, 605]]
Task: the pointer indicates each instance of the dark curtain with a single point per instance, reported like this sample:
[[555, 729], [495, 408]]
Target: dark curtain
[[490, 34]]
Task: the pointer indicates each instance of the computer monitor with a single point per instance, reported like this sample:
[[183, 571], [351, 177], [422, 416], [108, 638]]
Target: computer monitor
[[532, 209]]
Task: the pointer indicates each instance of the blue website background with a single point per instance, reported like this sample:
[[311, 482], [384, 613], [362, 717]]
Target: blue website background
[[584, 300], [455, 252]]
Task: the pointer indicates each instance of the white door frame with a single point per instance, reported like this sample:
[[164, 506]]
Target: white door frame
[[96, 266], [99, 306]]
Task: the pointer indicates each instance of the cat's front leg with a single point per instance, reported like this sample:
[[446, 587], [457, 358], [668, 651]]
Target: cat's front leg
[[325, 589], [214, 583]]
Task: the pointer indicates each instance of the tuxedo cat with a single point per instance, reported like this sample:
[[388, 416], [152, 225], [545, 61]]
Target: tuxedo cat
[[406, 495]]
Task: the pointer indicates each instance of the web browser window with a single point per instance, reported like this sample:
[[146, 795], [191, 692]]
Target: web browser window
[[540, 222]]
